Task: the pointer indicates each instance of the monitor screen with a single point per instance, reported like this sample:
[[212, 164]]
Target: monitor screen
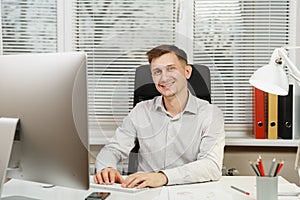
[[48, 94]]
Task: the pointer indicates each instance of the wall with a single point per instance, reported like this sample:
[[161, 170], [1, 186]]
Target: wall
[[239, 157]]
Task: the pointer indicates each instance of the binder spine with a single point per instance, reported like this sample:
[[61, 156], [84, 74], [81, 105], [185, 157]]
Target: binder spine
[[272, 116], [259, 125], [285, 115]]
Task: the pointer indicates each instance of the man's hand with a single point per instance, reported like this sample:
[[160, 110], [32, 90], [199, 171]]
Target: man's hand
[[145, 179], [108, 176]]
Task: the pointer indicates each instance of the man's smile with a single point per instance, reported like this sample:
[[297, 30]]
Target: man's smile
[[167, 85]]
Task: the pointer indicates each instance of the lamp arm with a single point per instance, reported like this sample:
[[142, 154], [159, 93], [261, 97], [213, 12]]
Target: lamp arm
[[296, 78], [294, 71]]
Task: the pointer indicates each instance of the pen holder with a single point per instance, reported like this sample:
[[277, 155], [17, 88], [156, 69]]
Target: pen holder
[[266, 188]]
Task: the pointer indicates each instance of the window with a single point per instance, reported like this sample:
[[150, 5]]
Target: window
[[28, 26], [232, 37], [116, 35]]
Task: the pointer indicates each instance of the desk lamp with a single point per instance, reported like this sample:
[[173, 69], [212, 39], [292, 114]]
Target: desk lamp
[[272, 78]]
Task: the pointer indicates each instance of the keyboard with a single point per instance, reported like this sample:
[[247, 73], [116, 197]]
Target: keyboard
[[116, 187]]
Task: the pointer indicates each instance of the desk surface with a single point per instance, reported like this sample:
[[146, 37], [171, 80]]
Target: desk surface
[[210, 190]]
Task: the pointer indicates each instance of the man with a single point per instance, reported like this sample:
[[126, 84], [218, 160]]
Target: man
[[181, 137]]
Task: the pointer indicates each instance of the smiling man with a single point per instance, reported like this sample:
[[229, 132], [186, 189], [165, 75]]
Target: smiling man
[[181, 137]]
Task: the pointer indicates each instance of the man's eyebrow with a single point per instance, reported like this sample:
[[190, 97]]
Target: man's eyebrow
[[170, 65], [157, 66], [155, 69]]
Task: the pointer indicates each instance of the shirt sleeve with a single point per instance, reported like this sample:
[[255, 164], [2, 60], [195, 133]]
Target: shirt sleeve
[[118, 147], [208, 166]]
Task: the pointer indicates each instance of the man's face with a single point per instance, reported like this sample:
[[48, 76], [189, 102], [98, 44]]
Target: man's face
[[169, 75]]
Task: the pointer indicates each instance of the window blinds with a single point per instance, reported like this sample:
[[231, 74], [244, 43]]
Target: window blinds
[[116, 35], [28, 26], [234, 38]]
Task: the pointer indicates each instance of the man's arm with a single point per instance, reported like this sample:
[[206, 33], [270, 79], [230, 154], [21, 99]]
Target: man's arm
[[116, 150], [208, 165]]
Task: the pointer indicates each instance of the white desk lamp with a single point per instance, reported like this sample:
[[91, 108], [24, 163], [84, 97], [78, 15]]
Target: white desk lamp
[[272, 78]]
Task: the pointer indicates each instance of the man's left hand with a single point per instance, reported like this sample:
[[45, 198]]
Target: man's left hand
[[145, 179]]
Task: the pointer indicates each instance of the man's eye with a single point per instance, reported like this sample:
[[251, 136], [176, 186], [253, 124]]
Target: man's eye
[[170, 69], [156, 72]]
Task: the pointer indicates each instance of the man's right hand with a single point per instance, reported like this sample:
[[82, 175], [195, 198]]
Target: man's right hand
[[108, 176]]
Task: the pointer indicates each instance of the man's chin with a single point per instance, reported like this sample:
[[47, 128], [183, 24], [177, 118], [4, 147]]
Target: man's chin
[[167, 93]]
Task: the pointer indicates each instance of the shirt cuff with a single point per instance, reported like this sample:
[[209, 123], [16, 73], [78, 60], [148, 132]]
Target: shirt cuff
[[174, 176]]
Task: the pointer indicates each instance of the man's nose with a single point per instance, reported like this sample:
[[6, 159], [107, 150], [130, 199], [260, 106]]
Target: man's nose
[[164, 75]]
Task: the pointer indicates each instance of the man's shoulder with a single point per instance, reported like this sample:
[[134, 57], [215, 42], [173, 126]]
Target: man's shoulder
[[200, 102], [148, 105], [149, 102], [204, 104], [145, 107]]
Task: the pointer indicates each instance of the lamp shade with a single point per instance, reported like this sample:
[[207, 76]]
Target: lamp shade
[[272, 79]]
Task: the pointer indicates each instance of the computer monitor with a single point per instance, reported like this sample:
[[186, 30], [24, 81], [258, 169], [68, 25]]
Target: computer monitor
[[48, 94]]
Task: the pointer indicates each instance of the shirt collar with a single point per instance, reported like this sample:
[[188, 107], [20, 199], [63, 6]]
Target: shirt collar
[[191, 105]]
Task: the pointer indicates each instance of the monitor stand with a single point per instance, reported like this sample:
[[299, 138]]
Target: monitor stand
[[8, 127]]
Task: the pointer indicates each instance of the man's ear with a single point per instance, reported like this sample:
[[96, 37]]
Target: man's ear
[[188, 71]]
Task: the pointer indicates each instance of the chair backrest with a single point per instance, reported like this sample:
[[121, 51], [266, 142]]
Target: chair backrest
[[199, 85]]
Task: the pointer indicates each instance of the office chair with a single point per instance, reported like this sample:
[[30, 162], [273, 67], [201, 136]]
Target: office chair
[[199, 85]]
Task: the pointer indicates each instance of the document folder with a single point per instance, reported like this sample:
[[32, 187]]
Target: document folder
[[272, 116], [285, 115], [259, 126]]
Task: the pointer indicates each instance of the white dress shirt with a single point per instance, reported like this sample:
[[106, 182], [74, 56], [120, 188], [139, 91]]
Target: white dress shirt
[[187, 148]]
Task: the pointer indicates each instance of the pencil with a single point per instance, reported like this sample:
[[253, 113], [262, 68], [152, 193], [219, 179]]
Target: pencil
[[240, 190], [261, 166], [258, 166], [272, 166]]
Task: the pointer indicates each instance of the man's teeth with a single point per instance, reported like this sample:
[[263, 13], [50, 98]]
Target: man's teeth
[[167, 85]]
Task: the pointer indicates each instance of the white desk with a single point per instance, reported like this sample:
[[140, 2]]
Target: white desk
[[210, 190]]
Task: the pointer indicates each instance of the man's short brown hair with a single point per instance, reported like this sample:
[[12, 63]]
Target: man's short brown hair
[[163, 49]]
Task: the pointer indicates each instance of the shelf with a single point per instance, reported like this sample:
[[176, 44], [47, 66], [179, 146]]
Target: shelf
[[261, 142], [232, 142]]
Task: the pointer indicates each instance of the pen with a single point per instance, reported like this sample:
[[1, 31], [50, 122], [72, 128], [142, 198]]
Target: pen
[[272, 166], [254, 168], [278, 168], [240, 190], [258, 168]]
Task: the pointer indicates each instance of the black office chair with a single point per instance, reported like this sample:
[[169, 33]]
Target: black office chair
[[199, 85]]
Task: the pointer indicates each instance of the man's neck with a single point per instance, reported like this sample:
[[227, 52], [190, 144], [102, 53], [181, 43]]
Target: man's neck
[[176, 104]]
